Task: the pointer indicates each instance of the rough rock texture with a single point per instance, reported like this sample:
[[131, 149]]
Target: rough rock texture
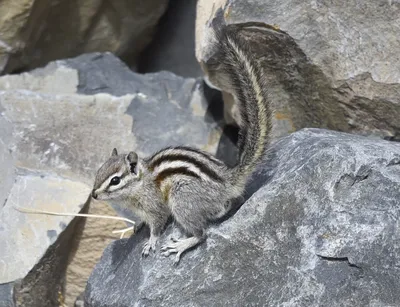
[[57, 125], [330, 65], [321, 229], [34, 32]]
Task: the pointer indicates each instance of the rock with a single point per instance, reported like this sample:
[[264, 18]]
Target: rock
[[58, 125], [6, 161], [319, 228], [329, 65], [34, 33], [25, 238], [6, 295]]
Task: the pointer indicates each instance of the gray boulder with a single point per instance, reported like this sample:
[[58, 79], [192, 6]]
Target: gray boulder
[[35, 33], [329, 65], [319, 228], [57, 126]]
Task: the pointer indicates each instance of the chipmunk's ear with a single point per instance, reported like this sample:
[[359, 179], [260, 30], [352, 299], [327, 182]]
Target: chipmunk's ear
[[132, 159], [114, 152]]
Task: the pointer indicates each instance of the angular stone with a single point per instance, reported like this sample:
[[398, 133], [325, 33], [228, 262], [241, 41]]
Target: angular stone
[[55, 78], [328, 65], [319, 228], [37, 32], [52, 138], [24, 238]]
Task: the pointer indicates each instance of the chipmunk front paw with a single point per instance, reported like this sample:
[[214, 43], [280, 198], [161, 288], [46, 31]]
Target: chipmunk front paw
[[149, 245]]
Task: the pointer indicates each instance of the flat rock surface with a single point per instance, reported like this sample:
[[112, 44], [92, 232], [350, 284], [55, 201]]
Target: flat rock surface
[[23, 240], [321, 229]]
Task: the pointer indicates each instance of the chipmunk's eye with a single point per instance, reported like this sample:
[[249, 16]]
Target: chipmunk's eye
[[115, 180]]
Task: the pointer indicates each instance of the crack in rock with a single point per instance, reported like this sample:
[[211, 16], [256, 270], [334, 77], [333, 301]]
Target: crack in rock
[[339, 259], [395, 161]]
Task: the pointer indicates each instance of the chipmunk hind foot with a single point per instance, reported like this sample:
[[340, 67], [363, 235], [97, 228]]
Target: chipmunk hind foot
[[180, 246]]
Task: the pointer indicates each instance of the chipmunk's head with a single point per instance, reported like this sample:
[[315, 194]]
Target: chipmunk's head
[[119, 176]]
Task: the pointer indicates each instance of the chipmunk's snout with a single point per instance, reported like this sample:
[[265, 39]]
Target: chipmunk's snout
[[94, 194]]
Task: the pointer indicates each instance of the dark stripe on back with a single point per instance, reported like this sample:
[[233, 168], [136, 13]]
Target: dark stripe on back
[[174, 171], [184, 158], [205, 155], [209, 157]]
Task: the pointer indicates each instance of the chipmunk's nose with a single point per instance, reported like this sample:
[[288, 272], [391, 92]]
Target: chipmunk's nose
[[94, 194]]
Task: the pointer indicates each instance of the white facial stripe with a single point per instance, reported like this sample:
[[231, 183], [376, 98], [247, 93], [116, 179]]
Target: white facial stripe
[[106, 182], [123, 183], [139, 167]]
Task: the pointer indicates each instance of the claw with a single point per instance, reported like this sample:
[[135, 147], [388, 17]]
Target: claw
[[146, 249], [149, 245], [177, 258]]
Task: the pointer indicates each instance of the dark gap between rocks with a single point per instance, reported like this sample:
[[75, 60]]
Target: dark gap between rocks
[[173, 47]]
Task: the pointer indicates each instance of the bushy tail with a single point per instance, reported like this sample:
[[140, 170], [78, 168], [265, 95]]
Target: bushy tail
[[245, 79]]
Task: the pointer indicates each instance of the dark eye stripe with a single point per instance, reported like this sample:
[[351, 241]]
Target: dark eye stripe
[[120, 186], [123, 175]]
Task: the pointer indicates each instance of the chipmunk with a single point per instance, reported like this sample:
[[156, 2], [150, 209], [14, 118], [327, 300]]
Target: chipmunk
[[192, 185]]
